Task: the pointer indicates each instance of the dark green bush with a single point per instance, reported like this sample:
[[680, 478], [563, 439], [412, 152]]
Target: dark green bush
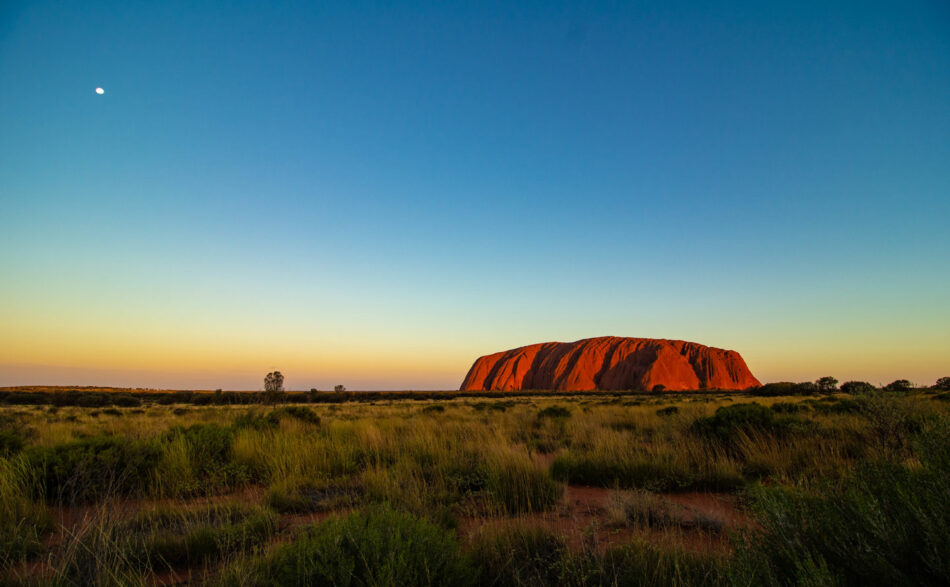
[[729, 421], [857, 387], [788, 407], [211, 454], [301, 413], [378, 546], [199, 541], [93, 468], [843, 406], [433, 409], [554, 412], [10, 443], [257, 420], [899, 385], [667, 411]]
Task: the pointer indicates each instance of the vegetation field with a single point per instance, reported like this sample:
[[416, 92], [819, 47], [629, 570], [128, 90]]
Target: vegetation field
[[589, 489]]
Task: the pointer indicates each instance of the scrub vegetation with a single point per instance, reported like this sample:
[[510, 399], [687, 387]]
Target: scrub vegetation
[[806, 487]]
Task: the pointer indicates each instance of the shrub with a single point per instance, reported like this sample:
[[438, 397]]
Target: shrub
[[857, 387], [667, 411], [256, 420], [844, 406], [93, 467], [729, 421], [378, 546], [554, 412], [208, 450], [943, 384], [827, 384], [433, 409], [10, 443], [301, 413], [899, 385], [788, 407]]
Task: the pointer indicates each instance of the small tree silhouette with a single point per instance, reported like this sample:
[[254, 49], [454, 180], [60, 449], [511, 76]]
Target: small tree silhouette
[[273, 387], [339, 388], [827, 384]]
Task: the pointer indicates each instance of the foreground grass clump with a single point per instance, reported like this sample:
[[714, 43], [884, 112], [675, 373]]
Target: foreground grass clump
[[199, 459], [111, 551], [295, 496], [889, 524], [23, 523], [91, 468], [378, 546]]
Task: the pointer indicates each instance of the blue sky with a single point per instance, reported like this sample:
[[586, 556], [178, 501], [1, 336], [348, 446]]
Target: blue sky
[[375, 195]]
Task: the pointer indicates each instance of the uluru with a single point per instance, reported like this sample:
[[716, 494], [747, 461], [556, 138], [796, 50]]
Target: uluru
[[611, 363]]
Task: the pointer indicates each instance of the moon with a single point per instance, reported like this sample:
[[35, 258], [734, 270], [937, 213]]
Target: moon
[[100, 91]]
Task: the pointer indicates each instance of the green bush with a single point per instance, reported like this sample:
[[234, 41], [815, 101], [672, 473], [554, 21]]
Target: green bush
[[257, 420], [378, 546], [93, 468], [433, 409], [10, 443], [301, 413], [788, 407], [200, 541], [857, 387], [899, 385], [667, 411], [554, 412], [729, 421], [210, 453]]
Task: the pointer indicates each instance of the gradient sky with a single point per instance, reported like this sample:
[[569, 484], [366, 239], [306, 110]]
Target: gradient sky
[[375, 195]]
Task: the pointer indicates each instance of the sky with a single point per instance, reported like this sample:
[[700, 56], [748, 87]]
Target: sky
[[375, 194]]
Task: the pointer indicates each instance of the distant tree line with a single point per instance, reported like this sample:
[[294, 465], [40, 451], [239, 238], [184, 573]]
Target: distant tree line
[[131, 399]]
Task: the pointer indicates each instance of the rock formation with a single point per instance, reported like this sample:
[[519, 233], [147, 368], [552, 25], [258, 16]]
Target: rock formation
[[611, 363]]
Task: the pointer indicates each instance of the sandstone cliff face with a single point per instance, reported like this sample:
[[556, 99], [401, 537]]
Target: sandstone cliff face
[[610, 363]]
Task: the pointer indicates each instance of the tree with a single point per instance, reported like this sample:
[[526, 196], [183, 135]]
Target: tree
[[273, 387], [943, 384], [338, 388], [899, 385], [827, 384]]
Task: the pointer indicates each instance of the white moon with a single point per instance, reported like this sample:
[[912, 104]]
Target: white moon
[[100, 91]]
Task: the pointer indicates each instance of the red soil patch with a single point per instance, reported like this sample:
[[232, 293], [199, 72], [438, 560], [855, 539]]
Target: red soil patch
[[584, 520]]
